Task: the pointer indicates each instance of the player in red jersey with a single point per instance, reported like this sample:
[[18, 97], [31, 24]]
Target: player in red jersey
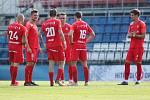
[[54, 45], [136, 32], [33, 47], [66, 30], [16, 36], [81, 35]]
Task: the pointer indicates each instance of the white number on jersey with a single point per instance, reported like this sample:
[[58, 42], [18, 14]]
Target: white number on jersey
[[82, 34], [13, 35], [50, 32]]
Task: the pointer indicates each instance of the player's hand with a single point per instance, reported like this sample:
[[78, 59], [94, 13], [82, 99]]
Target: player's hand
[[29, 50], [44, 45], [40, 49], [133, 34]]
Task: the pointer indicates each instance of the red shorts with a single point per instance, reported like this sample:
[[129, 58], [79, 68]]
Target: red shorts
[[32, 57], [78, 53], [135, 55], [16, 57], [56, 53]]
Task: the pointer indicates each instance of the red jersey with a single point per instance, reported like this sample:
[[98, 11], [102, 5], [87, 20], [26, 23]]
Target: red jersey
[[50, 28], [15, 34], [66, 29], [81, 30], [32, 35], [139, 27]]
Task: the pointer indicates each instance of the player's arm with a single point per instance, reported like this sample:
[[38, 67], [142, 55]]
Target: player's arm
[[91, 37], [71, 36], [139, 36], [27, 43], [42, 30], [62, 38], [40, 38]]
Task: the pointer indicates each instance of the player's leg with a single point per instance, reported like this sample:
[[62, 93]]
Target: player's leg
[[83, 59], [51, 72], [62, 77], [70, 72], [31, 62], [128, 60], [14, 73], [86, 72], [59, 72], [15, 59], [138, 60]]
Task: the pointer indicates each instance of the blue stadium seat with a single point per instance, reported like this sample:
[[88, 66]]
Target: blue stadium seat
[[148, 27], [109, 20], [98, 28], [147, 20], [87, 19], [143, 18], [70, 20], [117, 20], [122, 37], [3, 39], [125, 20], [124, 28], [114, 37], [90, 46], [108, 28], [102, 20], [95, 20], [98, 37], [116, 28], [106, 37]]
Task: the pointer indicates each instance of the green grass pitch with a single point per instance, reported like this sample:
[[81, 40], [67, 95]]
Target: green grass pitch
[[95, 91]]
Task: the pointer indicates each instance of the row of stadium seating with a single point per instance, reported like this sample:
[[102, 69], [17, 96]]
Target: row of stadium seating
[[81, 3]]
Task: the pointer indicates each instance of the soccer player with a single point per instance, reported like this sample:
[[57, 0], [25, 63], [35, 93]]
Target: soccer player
[[54, 45], [33, 49], [81, 35], [66, 30], [16, 35], [136, 32]]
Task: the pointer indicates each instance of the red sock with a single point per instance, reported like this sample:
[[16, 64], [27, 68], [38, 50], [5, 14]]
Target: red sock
[[51, 75], [27, 72], [62, 75], [86, 74], [30, 74], [139, 72], [127, 71], [15, 72], [70, 72], [75, 74], [59, 73], [11, 71]]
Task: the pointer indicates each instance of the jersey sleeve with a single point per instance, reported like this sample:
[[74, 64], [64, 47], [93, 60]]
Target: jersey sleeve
[[143, 27]]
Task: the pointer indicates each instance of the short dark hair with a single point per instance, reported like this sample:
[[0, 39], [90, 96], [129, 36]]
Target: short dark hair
[[61, 13], [135, 12], [78, 14], [53, 12], [34, 11]]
